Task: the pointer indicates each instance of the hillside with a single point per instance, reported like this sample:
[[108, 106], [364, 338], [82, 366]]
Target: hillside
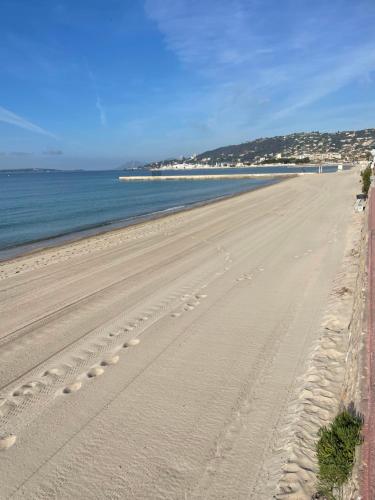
[[298, 147]]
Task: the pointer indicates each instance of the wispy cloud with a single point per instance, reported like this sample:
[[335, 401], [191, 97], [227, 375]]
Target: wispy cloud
[[333, 78], [102, 112], [288, 54], [98, 102], [7, 116], [209, 35]]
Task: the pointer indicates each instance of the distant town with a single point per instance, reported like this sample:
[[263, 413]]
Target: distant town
[[293, 149]]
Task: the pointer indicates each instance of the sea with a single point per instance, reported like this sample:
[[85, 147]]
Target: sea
[[41, 209]]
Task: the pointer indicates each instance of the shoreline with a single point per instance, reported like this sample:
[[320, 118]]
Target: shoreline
[[58, 241]]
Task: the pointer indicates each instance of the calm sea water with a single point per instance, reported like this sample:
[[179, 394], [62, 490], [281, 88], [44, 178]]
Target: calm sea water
[[42, 209]]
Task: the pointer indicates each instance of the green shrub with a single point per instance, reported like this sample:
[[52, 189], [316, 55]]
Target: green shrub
[[336, 452], [366, 181]]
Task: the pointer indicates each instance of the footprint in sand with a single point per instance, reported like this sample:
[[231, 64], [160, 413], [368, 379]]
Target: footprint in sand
[[115, 334], [7, 441], [32, 385], [96, 371], [54, 372], [27, 389], [131, 343], [110, 361], [74, 387]]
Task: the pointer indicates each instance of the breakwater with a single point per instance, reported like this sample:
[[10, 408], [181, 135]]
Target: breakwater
[[206, 177]]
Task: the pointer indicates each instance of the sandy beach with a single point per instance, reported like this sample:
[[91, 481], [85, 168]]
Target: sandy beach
[[159, 361]]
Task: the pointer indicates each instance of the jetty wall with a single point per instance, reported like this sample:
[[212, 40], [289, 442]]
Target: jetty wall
[[206, 177]]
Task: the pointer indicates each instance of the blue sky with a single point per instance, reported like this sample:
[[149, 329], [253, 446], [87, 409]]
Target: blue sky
[[94, 83]]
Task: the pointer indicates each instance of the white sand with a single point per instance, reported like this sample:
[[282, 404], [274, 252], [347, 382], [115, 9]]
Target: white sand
[[226, 302]]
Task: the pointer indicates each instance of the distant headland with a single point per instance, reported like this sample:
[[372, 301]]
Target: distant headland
[[297, 148]]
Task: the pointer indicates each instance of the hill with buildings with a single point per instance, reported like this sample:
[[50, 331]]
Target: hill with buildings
[[304, 147]]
